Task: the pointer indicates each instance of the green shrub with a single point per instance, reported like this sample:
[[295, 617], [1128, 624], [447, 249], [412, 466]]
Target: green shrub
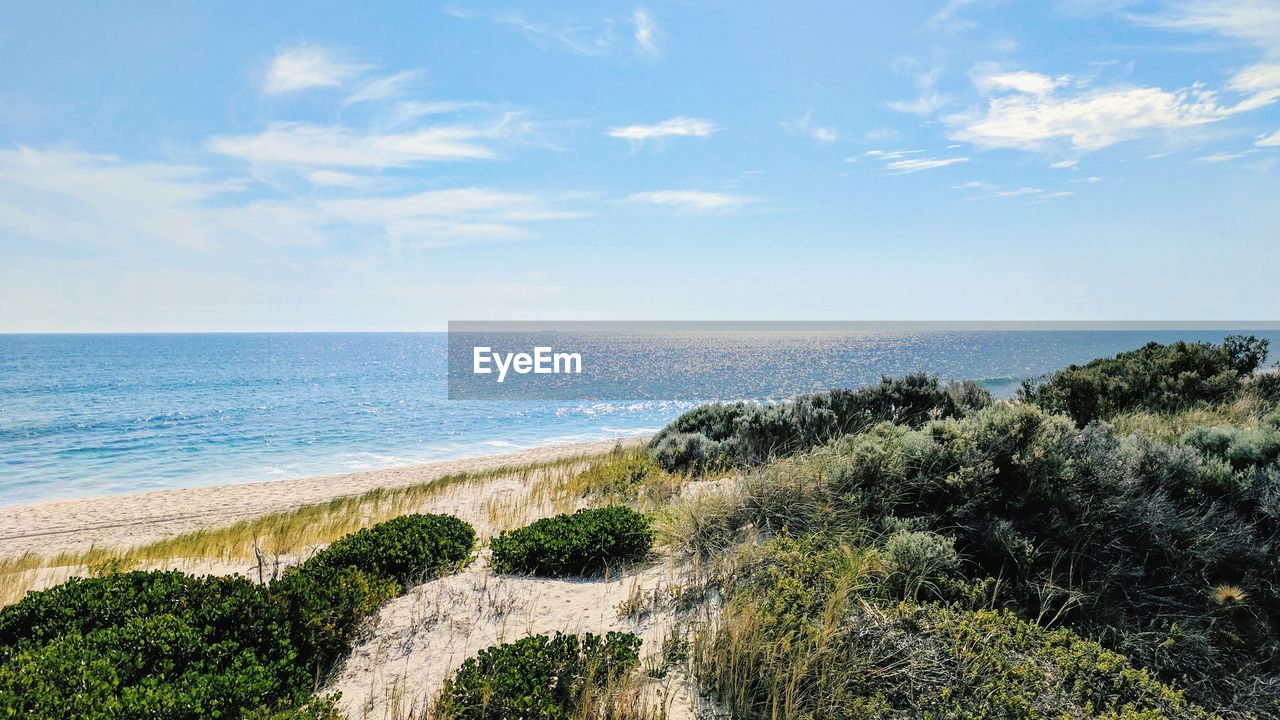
[[1241, 448], [1163, 378], [146, 644], [716, 435], [539, 677], [325, 598], [323, 608], [166, 645], [916, 557], [585, 542], [407, 549], [1121, 537], [801, 636]]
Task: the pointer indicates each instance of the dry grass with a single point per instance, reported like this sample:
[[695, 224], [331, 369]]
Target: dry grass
[[1243, 413], [275, 538]]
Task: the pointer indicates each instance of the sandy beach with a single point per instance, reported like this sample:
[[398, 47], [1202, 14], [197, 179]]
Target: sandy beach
[[122, 521]]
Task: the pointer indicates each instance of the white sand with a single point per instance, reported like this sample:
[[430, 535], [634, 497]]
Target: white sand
[[122, 521], [420, 639]]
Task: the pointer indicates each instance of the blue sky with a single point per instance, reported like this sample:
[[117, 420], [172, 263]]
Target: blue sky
[[334, 166]]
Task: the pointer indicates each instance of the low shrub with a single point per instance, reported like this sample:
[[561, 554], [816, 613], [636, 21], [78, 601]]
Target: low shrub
[[323, 608], [168, 646], [407, 549], [585, 542], [541, 676], [1122, 538], [325, 598], [917, 557], [716, 435], [1164, 378], [803, 636], [146, 644]]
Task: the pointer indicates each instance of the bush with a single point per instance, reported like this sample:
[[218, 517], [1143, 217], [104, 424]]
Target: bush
[[407, 549], [539, 677], [716, 435], [1163, 378], [1121, 537], [916, 557], [166, 645], [802, 636], [585, 542], [325, 598], [146, 644]]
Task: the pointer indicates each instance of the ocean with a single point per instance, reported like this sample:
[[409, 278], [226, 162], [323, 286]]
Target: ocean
[[90, 415]]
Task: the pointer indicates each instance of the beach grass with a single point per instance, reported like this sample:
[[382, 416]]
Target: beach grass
[[263, 544]]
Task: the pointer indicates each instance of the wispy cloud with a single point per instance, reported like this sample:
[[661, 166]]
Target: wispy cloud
[[306, 145], [306, 66], [891, 154], [1253, 21], [68, 197], [597, 36], [1221, 157], [928, 100], [913, 165], [699, 201], [646, 32], [675, 127], [989, 81], [1272, 140], [805, 125], [1087, 119], [382, 88]]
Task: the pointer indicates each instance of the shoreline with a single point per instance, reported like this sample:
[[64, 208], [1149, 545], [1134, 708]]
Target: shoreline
[[121, 521]]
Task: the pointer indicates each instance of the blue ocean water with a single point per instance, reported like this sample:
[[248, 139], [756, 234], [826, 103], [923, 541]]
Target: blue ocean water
[[87, 415]]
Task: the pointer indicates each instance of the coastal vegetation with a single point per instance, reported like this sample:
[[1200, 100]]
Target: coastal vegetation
[[170, 645], [540, 677], [1104, 545], [586, 542]]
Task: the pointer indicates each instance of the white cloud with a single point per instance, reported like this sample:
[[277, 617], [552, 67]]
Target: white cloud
[[1253, 21], [948, 16], [645, 32], [1017, 192], [675, 127], [72, 198], [333, 178], [382, 88], [1022, 81], [805, 126], [306, 145], [929, 100], [598, 36], [891, 154], [912, 165], [1272, 140], [1221, 157], [927, 103], [1089, 121], [1065, 165], [694, 200], [303, 67]]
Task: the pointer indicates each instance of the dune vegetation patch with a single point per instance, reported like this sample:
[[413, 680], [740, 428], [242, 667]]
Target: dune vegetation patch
[[587, 542], [163, 644], [542, 676]]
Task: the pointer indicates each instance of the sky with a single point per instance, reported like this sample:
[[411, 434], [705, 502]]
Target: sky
[[174, 166]]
